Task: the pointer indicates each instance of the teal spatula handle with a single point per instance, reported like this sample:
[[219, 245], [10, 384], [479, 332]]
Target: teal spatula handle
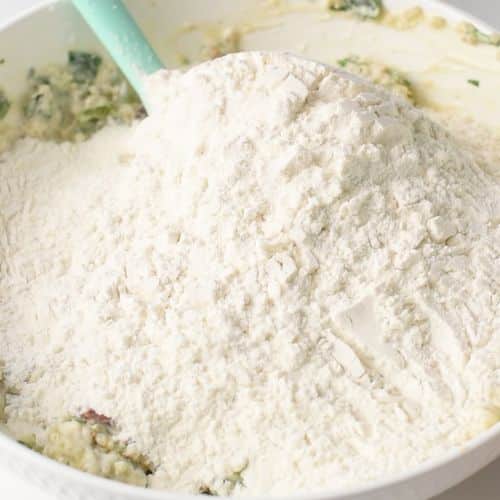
[[124, 40]]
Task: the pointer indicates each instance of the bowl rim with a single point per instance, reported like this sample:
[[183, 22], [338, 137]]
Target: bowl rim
[[36, 459], [13, 448]]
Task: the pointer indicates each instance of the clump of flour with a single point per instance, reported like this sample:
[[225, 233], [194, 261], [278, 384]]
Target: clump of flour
[[288, 280]]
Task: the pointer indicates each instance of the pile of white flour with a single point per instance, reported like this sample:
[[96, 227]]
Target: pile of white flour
[[283, 271]]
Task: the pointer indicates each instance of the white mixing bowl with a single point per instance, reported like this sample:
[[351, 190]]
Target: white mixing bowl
[[44, 35]]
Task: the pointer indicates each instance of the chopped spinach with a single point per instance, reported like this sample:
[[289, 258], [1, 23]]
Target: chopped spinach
[[40, 100], [4, 105], [37, 105], [84, 65], [476, 83], [92, 119], [68, 102], [363, 8], [45, 101], [347, 61]]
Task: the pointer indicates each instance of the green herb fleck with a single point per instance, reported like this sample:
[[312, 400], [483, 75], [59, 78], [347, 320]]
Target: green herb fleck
[[363, 8], [40, 104], [354, 60], [4, 105], [30, 442], [472, 35], [91, 120], [476, 83], [84, 66], [236, 478], [380, 74], [2, 60]]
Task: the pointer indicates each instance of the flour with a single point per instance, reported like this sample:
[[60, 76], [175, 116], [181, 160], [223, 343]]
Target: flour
[[286, 280]]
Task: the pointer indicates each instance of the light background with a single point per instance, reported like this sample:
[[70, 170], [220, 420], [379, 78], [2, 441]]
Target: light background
[[483, 486]]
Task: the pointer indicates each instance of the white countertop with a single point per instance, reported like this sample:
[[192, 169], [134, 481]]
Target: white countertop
[[483, 486]]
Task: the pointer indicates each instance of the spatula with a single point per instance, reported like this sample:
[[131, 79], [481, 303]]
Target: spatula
[[124, 40]]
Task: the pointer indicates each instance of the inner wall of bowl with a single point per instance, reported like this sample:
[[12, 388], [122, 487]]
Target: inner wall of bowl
[[48, 33]]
